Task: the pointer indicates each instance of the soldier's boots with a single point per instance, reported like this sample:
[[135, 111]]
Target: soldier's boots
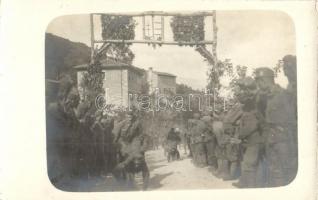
[[225, 169], [233, 172], [217, 173], [247, 180]]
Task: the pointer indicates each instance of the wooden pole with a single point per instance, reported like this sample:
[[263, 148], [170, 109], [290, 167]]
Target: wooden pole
[[214, 45], [162, 28], [159, 13], [153, 27], [215, 30], [154, 41], [92, 37], [143, 27]]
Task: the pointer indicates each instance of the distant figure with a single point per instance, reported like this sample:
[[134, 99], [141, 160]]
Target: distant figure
[[173, 139], [188, 136], [155, 141]]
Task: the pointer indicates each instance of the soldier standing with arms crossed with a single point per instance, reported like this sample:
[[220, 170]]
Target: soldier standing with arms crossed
[[280, 120]]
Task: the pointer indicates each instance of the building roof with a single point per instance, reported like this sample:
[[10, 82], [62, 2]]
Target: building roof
[[165, 74], [111, 64]]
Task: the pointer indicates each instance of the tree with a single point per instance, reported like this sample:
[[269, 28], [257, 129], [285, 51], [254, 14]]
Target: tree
[[278, 67], [145, 87], [92, 83], [216, 72]]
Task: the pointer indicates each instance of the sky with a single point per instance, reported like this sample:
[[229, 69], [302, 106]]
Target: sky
[[250, 38]]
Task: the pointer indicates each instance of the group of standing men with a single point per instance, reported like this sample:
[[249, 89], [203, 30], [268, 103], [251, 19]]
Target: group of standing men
[[255, 140], [84, 142]]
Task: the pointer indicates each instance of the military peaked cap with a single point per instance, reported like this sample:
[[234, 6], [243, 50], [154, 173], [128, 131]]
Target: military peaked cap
[[264, 72], [247, 82]]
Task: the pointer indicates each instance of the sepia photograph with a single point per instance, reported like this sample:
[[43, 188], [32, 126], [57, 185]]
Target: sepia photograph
[[154, 100], [158, 99]]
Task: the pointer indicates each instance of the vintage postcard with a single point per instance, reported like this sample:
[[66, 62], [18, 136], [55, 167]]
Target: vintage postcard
[[172, 99]]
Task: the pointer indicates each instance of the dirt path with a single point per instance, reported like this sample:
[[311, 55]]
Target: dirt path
[[176, 175], [180, 174]]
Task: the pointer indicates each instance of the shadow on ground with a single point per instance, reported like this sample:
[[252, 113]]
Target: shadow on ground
[[155, 181]]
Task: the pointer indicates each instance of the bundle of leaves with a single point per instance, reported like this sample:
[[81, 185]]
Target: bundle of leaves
[[92, 82], [216, 72], [119, 28], [187, 28]]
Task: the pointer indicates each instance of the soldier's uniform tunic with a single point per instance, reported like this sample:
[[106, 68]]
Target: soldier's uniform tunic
[[218, 131], [132, 144], [232, 150], [199, 131], [189, 136], [210, 142], [252, 143], [279, 130]]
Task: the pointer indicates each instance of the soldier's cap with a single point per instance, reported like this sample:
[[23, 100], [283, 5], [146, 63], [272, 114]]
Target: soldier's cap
[[247, 82], [289, 58], [263, 72]]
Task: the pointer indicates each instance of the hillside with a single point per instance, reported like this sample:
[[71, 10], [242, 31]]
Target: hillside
[[62, 54]]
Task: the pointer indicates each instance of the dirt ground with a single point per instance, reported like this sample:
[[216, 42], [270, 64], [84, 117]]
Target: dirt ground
[[176, 175], [179, 175]]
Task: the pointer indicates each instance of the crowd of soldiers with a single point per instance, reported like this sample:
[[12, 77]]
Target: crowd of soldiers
[[86, 143], [255, 141]]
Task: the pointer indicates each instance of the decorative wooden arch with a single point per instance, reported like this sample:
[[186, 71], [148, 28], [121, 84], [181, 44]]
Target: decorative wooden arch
[[153, 37]]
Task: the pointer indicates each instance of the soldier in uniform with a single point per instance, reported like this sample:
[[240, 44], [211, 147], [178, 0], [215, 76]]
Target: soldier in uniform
[[249, 133], [107, 124], [218, 131], [132, 144], [86, 146], [62, 126], [290, 70], [278, 128], [232, 146], [97, 130], [189, 135], [210, 142], [172, 141], [102, 140], [199, 131]]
